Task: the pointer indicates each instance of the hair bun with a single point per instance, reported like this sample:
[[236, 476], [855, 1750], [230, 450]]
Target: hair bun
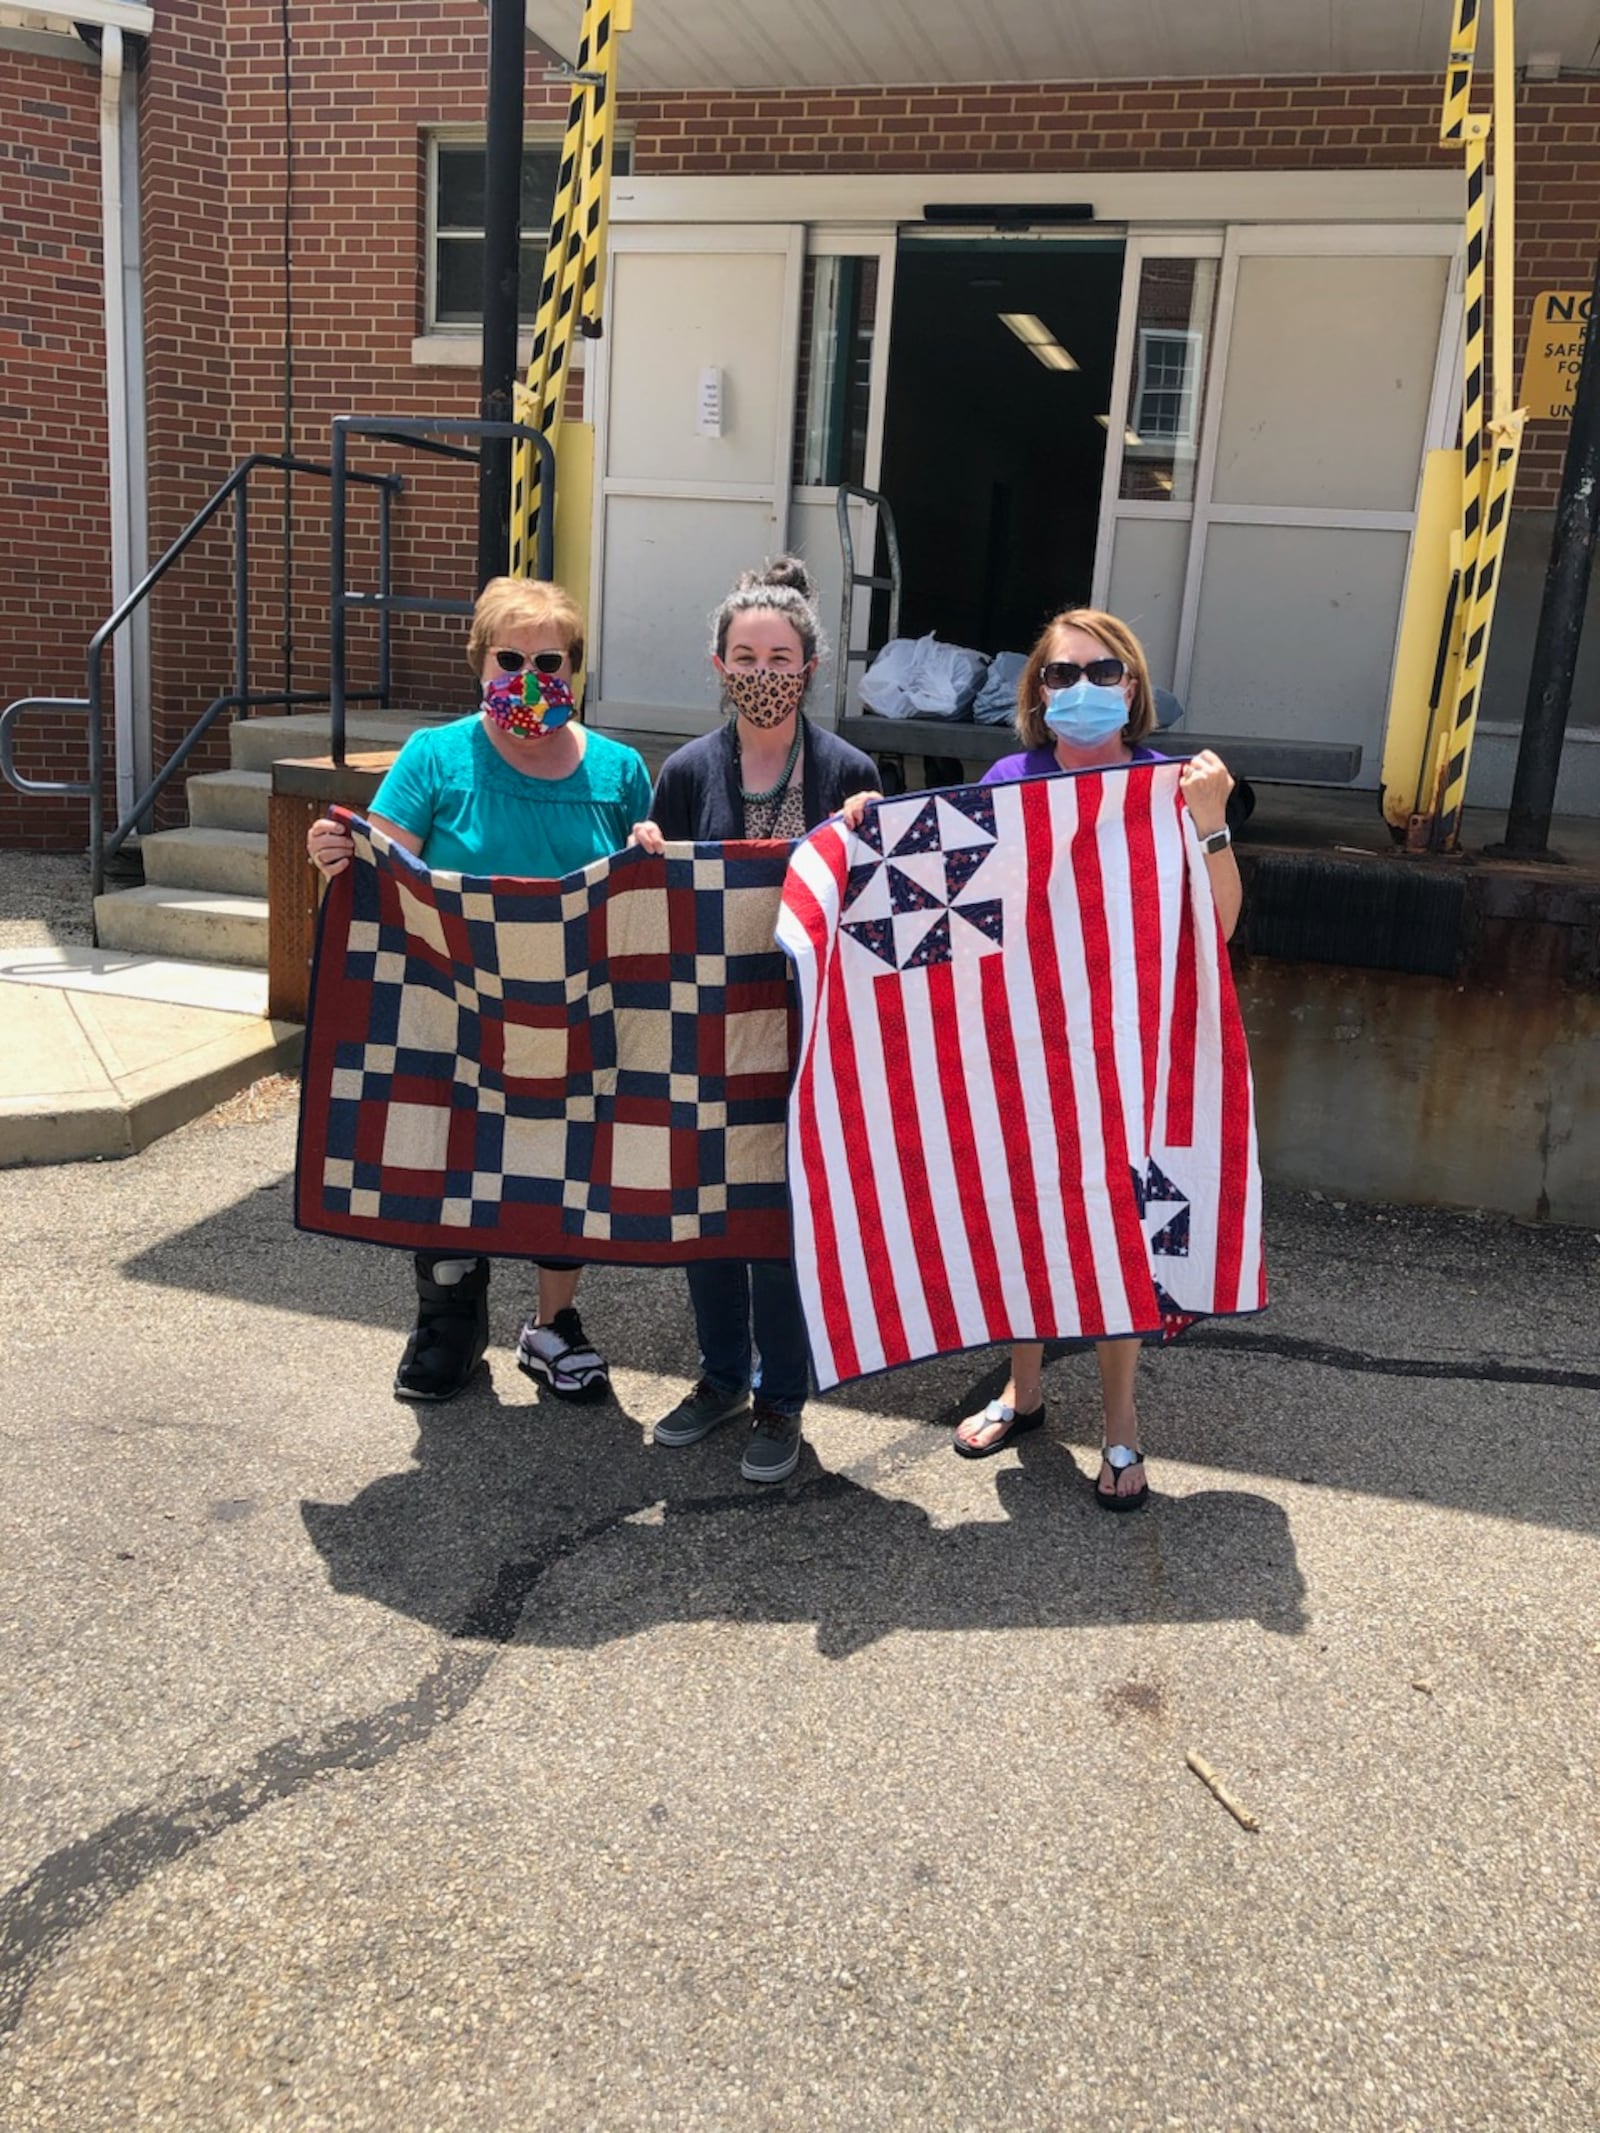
[[786, 570]]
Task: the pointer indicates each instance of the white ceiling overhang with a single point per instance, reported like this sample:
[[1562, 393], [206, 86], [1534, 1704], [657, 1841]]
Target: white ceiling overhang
[[60, 18], [762, 44]]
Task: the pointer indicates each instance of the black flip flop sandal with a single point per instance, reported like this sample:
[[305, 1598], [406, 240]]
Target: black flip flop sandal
[[1120, 1466], [997, 1411]]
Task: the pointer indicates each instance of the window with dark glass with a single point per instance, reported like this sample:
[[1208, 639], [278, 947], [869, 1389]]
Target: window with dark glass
[[457, 223], [838, 317]]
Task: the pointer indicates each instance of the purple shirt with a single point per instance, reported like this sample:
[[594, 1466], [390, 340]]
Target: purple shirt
[[1041, 763]]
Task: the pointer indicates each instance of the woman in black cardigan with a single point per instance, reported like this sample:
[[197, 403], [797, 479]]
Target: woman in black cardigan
[[766, 772]]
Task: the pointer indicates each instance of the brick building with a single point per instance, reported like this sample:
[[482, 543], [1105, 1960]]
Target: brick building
[[1245, 241]]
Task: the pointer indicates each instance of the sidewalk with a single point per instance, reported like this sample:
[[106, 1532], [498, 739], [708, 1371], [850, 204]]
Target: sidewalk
[[104, 1052]]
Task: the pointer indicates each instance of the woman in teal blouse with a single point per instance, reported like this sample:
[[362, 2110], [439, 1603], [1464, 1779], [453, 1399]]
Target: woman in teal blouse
[[519, 788]]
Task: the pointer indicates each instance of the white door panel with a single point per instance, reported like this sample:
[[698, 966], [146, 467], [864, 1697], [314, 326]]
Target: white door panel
[[677, 316], [681, 512], [1330, 373], [1146, 586], [669, 560], [1296, 632]]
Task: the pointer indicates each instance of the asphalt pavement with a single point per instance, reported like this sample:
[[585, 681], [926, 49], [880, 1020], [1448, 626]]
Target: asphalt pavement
[[484, 1767]]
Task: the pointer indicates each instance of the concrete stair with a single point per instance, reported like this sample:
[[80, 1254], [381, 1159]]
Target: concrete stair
[[204, 898], [231, 861], [230, 800], [185, 925]]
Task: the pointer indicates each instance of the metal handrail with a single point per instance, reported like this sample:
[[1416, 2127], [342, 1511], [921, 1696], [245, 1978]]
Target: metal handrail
[[240, 697], [845, 656], [422, 435]]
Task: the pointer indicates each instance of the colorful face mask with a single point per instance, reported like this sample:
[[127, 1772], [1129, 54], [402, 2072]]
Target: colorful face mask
[[506, 701], [764, 696]]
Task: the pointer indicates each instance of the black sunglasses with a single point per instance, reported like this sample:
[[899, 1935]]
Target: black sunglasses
[[544, 662], [1066, 673]]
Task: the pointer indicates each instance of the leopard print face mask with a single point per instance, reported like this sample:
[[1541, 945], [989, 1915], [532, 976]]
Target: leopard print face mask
[[764, 696]]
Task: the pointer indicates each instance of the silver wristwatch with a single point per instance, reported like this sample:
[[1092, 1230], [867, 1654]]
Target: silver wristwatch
[[1218, 841]]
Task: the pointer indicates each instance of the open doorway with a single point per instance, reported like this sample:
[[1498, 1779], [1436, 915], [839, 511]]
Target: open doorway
[[995, 435]]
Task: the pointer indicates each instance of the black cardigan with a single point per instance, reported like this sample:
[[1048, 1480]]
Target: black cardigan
[[697, 790]]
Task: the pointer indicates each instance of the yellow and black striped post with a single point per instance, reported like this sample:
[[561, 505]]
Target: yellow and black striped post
[[1449, 792], [563, 214], [1457, 118], [571, 288], [1488, 473]]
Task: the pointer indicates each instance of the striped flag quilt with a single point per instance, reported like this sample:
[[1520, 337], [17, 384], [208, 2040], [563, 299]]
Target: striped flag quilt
[[1023, 1107], [591, 1068]]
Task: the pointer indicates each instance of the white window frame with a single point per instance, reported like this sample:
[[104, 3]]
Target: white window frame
[[1183, 434]]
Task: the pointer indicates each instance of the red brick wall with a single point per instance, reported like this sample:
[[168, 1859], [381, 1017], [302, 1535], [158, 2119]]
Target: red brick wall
[[55, 565], [361, 104], [191, 126], [365, 87]]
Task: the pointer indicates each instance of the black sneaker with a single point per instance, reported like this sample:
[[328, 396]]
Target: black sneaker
[[772, 1449], [698, 1413], [562, 1355], [451, 1336]]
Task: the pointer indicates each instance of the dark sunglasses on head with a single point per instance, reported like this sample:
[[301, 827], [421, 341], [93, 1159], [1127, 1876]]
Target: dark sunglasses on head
[[542, 662], [1066, 673]]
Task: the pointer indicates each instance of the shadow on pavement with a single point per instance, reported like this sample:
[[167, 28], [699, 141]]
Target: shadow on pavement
[[1460, 1432], [497, 1533]]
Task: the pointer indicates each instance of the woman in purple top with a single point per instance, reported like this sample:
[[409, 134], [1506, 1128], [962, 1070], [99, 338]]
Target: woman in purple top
[[1084, 702]]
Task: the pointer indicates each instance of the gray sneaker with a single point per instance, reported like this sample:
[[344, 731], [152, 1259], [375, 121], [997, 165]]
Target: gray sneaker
[[698, 1413], [772, 1449]]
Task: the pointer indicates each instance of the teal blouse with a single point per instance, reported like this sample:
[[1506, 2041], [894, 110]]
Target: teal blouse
[[476, 815]]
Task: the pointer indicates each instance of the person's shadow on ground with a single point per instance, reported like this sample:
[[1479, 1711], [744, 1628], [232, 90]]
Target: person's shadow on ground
[[559, 1525]]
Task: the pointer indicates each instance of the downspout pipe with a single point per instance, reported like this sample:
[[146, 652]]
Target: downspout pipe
[[118, 456]]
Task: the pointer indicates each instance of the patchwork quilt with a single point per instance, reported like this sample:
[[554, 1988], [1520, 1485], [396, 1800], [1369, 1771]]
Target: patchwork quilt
[[594, 1068]]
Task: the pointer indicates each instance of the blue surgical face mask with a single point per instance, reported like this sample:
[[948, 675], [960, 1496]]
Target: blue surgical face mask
[[1085, 714]]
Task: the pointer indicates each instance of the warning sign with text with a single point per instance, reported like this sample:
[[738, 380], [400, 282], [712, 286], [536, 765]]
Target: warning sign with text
[[1555, 353]]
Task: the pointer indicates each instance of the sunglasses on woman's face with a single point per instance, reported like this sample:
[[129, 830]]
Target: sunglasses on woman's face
[[1066, 673], [542, 662]]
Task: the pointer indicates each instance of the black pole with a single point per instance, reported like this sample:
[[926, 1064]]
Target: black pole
[[502, 259], [1566, 590]]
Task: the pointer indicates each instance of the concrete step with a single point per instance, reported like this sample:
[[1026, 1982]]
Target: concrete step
[[229, 799], [231, 862], [258, 743], [194, 925]]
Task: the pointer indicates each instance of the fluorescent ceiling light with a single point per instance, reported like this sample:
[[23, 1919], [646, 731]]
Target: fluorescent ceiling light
[[1037, 338], [1128, 436]]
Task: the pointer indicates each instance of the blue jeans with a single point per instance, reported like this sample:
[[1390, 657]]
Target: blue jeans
[[735, 1298]]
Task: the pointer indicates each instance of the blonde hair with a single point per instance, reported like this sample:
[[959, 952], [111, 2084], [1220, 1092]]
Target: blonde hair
[[1119, 641], [507, 604]]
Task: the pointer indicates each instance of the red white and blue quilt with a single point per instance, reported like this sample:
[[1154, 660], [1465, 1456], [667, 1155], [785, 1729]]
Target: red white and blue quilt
[[594, 1068]]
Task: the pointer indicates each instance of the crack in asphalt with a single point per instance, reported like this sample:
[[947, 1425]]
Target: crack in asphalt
[[77, 1884], [493, 1617], [1484, 1371]]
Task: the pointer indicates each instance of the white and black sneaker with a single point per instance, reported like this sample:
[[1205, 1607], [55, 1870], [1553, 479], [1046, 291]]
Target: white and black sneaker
[[564, 1357]]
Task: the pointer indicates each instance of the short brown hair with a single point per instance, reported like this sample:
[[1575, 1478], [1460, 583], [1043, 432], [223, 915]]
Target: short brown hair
[[523, 603], [1119, 641]]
